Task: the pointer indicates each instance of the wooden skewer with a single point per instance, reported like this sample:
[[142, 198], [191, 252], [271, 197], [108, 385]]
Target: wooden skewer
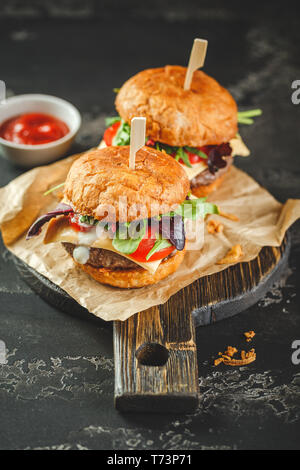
[[196, 61], [2, 92], [137, 138]]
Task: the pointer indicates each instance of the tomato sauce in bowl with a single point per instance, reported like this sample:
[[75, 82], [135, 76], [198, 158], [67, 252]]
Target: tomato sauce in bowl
[[33, 129]]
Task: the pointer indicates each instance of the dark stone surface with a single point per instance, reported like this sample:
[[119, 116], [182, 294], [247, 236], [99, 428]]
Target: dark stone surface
[[57, 389]]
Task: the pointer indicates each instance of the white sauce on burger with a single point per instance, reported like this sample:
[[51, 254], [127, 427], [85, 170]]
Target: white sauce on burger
[[81, 254]]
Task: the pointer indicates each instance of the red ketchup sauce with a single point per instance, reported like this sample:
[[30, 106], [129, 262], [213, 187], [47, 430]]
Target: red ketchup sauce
[[33, 129]]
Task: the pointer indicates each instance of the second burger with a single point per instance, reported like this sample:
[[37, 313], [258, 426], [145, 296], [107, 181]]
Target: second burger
[[197, 127]]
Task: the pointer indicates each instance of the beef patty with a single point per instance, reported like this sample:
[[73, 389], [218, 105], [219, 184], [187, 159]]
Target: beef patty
[[100, 258], [206, 177]]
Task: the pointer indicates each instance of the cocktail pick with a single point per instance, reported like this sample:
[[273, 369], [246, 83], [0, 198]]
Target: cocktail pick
[[196, 61], [137, 138]]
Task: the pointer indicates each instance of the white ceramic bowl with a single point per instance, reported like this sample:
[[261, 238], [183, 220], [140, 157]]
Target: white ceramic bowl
[[33, 155]]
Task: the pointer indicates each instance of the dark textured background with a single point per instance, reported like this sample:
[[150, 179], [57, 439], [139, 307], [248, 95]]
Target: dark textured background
[[57, 389]]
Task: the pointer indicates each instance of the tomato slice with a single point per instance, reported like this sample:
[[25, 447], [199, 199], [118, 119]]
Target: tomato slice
[[161, 253], [110, 133], [74, 223], [146, 245], [194, 158]]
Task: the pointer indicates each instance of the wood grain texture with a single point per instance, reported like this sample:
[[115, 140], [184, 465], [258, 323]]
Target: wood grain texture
[[173, 386], [223, 295]]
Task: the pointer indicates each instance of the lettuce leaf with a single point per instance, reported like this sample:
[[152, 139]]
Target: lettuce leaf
[[182, 155], [109, 121], [126, 244], [158, 245], [167, 148], [196, 208], [122, 136], [88, 220]]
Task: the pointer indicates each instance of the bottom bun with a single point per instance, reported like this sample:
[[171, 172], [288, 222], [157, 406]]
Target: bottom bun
[[131, 278], [204, 190]]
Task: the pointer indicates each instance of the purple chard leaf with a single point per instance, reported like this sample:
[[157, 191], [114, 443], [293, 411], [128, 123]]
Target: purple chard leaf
[[36, 227]]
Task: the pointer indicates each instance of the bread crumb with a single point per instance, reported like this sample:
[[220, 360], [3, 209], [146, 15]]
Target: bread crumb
[[230, 351], [232, 217], [214, 227], [227, 358], [249, 335], [241, 362], [219, 361], [251, 353], [233, 255]]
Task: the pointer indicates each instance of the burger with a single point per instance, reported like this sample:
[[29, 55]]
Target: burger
[[197, 127], [124, 227]]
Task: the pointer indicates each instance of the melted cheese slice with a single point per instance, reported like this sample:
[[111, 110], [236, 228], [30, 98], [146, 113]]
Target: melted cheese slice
[[102, 145], [196, 169], [237, 145], [59, 230]]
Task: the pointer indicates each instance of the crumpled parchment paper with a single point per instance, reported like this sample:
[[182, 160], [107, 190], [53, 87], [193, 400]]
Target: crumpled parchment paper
[[262, 222]]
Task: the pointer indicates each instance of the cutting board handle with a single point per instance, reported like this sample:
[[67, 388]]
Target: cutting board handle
[[156, 361]]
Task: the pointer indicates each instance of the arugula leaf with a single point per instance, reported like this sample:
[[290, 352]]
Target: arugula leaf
[[182, 155], [196, 208], [196, 152], [245, 121], [123, 243], [122, 136], [88, 219], [109, 121], [207, 208], [250, 113], [53, 189], [180, 152], [158, 245], [244, 117], [167, 148]]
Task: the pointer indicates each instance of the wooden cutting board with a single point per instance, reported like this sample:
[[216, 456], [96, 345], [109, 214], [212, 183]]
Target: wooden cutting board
[[155, 350]]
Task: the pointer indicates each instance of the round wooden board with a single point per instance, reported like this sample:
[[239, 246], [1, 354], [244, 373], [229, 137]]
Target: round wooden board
[[210, 299]]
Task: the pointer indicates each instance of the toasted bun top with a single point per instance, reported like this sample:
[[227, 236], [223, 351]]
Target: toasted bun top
[[204, 115], [99, 178]]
